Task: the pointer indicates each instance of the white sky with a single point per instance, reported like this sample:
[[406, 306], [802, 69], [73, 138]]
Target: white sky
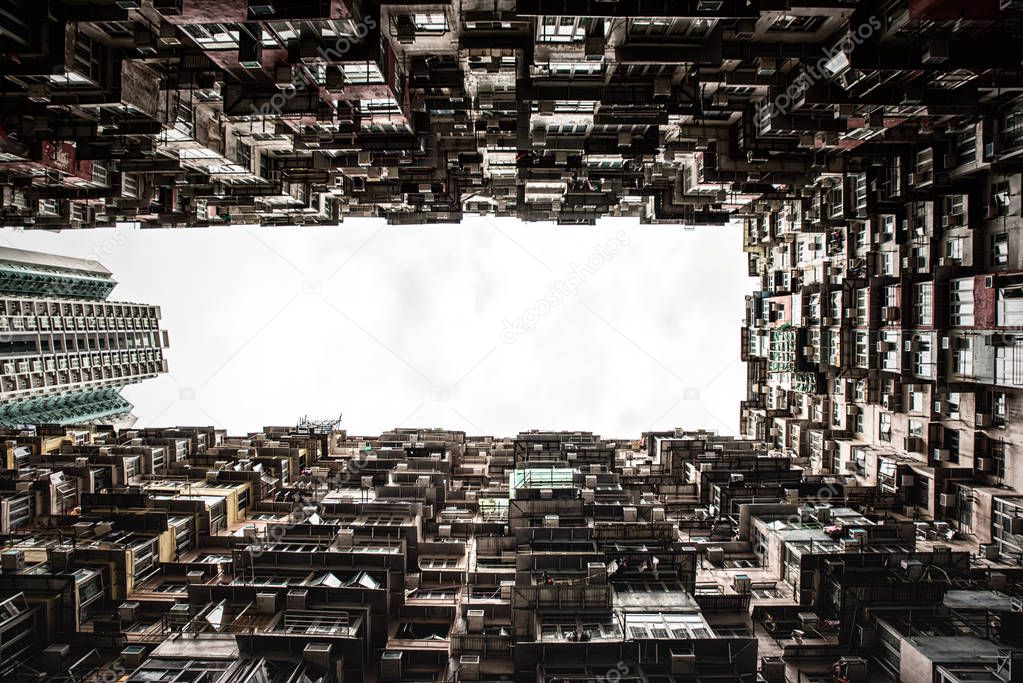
[[405, 325]]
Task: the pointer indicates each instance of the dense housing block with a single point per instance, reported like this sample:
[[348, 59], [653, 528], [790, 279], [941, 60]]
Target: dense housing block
[[866, 526], [310, 554]]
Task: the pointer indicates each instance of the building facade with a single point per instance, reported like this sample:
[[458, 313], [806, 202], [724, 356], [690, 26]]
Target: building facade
[[307, 553], [66, 349], [200, 112], [866, 526]]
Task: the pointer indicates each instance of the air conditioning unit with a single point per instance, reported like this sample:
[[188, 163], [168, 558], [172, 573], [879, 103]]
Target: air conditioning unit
[[391, 665], [133, 656], [984, 464], [941, 454], [128, 612], [983, 420], [444, 530], [683, 663], [550, 521], [266, 603], [715, 555], [851, 544], [863, 636], [317, 654], [345, 538], [296, 599], [772, 669], [630, 514], [808, 619], [474, 620], [469, 667], [657, 514], [742, 584], [989, 551], [12, 560], [947, 500]]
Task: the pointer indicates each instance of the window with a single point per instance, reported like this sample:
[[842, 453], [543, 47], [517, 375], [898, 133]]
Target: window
[[923, 357], [797, 24], [384, 106], [574, 106], [430, 22], [1010, 306], [1012, 133], [243, 155], [962, 357], [862, 350], [213, 36], [283, 30], [954, 248], [885, 427], [835, 310], [998, 404], [888, 263], [570, 69], [922, 308], [362, 73], [961, 302], [953, 405], [996, 449], [561, 29], [1000, 249], [1009, 365], [916, 401], [951, 443], [1000, 202]]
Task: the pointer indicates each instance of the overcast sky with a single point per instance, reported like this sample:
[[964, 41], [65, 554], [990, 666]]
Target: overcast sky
[[492, 326]]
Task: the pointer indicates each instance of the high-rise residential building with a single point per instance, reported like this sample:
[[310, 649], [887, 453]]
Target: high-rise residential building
[[308, 553], [66, 350]]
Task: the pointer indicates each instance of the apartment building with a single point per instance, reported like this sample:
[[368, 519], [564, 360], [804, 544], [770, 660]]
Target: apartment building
[[310, 553], [194, 113], [866, 526], [66, 349]]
